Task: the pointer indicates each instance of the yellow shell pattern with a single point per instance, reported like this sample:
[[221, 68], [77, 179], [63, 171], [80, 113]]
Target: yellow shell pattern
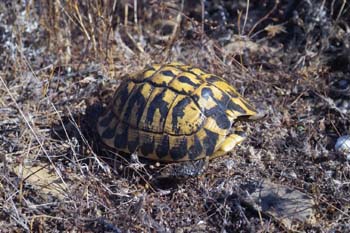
[[173, 112]]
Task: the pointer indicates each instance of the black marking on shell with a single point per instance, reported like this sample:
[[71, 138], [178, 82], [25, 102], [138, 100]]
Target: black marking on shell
[[217, 112], [106, 120], [187, 80], [236, 107], [157, 103], [121, 139], [179, 111], [163, 85], [195, 98], [168, 87], [222, 121], [147, 148], [221, 103], [219, 116], [206, 93], [143, 74], [122, 95], [213, 79], [168, 73], [191, 70], [210, 142], [135, 97], [232, 94], [108, 133], [163, 147], [196, 149], [132, 145], [224, 103], [197, 77], [158, 133], [179, 151]]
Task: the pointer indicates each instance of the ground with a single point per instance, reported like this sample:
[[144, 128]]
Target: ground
[[61, 62]]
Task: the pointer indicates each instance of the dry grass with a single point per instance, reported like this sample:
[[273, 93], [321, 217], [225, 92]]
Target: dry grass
[[60, 57]]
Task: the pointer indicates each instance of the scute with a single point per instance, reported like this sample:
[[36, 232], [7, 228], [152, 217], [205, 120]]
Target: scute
[[156, 110], [184, 117], [172, 112]]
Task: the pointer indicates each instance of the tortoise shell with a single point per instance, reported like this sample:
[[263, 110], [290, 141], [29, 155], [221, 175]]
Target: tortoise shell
[[174, 112]]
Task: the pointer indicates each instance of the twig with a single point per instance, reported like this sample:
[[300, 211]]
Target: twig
[[246, 16], [81, 21], [33, 131], [331, 104], [264, 18], [341, 10]]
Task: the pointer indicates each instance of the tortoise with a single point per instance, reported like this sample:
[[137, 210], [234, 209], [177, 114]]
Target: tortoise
[[174, 113]]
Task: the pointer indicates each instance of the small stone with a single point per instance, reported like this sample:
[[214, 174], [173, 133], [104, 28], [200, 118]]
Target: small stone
[[293, 175], [343, 145], [229, 164], [287, 205], [329, 173], [348, 157], [342, 85]]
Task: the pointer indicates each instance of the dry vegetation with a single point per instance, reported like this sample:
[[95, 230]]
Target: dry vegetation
[[58, 58]]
